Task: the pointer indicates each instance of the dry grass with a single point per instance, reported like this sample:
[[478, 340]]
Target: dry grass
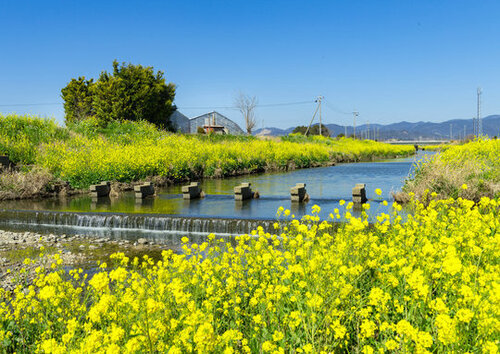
[[37, 182], [442, 179]]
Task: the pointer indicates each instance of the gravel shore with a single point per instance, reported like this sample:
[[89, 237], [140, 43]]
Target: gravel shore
[[75, 251]]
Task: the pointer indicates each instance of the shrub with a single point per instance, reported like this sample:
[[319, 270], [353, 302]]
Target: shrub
[[130, 92], [78, 99]]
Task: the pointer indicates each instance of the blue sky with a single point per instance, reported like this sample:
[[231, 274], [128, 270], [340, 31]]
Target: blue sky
[[390, 60]]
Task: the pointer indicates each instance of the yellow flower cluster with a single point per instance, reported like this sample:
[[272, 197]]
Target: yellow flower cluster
[[128, 151], [482, 152], [425, 282], [469, 171], [20, 136], [83, 161]]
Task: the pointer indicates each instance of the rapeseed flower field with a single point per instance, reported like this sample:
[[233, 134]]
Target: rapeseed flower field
[[475, 164], [422, 282], [83, 153]]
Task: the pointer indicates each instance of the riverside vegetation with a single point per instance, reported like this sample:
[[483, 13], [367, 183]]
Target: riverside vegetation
[[475, 164], [424, 282], [84, 153], [427, 282]]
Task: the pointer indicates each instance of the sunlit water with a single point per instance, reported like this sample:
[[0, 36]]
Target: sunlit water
[[218, 211]]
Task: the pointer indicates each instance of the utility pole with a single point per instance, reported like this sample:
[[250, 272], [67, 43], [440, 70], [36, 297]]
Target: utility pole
[[479, 121], [354, 114], [319, 104], [318, 100], [464, 132], [451, 131], [345, 131]]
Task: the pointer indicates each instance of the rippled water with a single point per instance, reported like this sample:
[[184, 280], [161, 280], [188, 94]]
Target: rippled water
[[325, 185]]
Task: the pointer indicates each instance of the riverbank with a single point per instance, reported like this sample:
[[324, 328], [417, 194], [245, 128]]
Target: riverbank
[[470, 171], [127, 152], [74, 251]]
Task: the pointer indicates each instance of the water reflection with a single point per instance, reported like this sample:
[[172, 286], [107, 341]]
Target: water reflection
[[100, 203], [326, 186]]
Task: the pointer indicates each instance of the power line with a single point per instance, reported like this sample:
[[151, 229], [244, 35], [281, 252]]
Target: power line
[[192, 107], [259, 105], [284, 104], [30, 104], [335, 109], [209, 107]]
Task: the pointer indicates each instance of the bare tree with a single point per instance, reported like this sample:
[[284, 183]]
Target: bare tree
[[246, 105]]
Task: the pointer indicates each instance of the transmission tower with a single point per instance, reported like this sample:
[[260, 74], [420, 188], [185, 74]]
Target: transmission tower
[[354, 115], [319, 106], [479, 121]]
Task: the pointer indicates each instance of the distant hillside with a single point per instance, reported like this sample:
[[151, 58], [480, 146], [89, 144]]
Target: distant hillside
[[406, 130]]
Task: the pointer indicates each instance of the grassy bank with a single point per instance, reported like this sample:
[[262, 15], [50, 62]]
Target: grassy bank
[[470, 171], [83, 154], [427, 284], [440, 147], [34, 182]]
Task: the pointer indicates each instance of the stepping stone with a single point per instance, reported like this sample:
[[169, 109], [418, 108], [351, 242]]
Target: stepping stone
[[144, 190], [100, 190], [243, 191], [359, 193], [191, 191], [298, 192]]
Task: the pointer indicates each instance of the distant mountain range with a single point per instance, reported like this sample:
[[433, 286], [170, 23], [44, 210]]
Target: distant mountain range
[[406, 130]]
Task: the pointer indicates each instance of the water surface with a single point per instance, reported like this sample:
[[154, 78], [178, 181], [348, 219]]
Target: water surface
[[326, 186]]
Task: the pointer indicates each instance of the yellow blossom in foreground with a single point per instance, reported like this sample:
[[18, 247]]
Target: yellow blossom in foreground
[[422, 282]]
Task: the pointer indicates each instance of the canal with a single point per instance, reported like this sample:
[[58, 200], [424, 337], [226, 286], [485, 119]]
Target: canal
[[169, 216]]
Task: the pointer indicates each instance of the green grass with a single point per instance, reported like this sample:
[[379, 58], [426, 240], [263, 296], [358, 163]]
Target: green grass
[[85, 153], [20, 136]]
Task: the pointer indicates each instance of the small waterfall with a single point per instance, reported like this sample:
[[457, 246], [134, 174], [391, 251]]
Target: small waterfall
[[132, 222]]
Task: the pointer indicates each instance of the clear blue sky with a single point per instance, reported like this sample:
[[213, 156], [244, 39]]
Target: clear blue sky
[[390, 60]]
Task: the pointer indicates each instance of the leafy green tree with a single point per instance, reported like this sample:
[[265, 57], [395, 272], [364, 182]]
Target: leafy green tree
[[130, 92], [314, 130], [299, 129], [78, 97], [134, 92]]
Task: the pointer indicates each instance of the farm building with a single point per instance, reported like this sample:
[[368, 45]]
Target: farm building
[[210, 122], [180, 122]]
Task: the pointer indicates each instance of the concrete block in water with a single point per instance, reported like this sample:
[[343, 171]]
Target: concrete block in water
[[191, 191], [298, 192], [243, 191], [100, 190], [144, 190], [359, 193]]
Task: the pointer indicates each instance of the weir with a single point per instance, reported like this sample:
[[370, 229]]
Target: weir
[[132, 222]]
